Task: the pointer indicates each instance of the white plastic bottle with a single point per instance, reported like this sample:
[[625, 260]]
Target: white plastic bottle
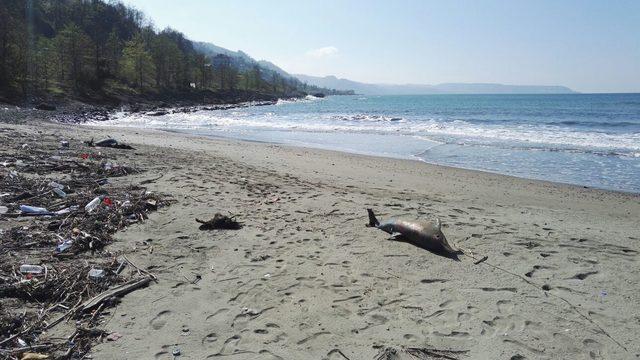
[[93, 204]]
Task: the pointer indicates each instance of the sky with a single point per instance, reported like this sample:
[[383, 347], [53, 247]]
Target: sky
[[587, 45]]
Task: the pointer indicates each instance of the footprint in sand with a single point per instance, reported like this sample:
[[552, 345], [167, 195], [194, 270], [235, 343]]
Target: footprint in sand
[[505, 306], [160, 320], [212, 337]]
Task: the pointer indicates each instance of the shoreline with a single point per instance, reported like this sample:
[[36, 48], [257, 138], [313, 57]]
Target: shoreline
[[304, 278], [575, 160], [411, 158]]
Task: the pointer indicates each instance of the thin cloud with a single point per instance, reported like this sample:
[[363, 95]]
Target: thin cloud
[[323, 52]]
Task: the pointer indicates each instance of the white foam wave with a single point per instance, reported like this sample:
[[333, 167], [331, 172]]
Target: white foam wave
[[461, 132], [308, 98], [366, 117]]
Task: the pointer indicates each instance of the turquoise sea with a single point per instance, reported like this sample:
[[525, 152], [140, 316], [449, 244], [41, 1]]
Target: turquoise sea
[[584, 139]]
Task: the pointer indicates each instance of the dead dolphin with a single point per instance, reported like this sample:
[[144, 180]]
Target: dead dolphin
[[109, 142], [425, 234]]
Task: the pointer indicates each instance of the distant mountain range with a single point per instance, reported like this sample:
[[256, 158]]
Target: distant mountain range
[[244, 62], [239, 59], [332, 82]]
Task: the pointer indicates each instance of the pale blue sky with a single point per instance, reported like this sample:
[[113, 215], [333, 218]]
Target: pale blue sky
[[590, 46]]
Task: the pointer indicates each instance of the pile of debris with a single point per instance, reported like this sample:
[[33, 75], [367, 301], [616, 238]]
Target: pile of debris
[[58, 211]]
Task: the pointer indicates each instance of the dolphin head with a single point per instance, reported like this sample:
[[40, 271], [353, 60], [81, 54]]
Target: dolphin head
[[388, 227], [438, 237]]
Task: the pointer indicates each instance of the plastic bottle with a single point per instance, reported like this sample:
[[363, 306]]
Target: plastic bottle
[[97, 274], [33, 210], [60, 193], [31, 269], [55, 185], [93, 204], [64, 245]]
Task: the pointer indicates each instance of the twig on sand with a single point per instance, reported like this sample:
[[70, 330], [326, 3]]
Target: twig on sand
[[114, 292], [484, 258], [140, 269], [149, 181]]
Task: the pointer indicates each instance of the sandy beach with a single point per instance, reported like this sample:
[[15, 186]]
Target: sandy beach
[[305, 279]]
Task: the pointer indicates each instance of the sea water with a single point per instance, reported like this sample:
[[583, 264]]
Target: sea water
[[584, 139]]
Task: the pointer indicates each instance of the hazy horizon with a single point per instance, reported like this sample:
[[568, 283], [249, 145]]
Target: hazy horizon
[[587, 46]]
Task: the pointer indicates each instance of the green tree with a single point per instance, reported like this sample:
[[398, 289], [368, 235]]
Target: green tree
[[167, 58], [137, 63], [113, 52], [73, 46]]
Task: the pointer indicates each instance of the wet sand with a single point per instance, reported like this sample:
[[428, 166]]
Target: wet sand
[[304, 278]]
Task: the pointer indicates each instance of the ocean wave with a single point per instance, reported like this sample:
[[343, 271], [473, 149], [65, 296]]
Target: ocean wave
[[308, 98], [546, 137], [366, 117], [611, 124]]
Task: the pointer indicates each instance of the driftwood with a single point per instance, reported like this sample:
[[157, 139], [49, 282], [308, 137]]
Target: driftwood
[[484, 258], [114, 292], [390, 353]]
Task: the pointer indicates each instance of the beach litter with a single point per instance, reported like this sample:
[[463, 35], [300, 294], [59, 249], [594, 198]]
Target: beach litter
[[57, 217], [34, 356], [34, 210], [219, 222]]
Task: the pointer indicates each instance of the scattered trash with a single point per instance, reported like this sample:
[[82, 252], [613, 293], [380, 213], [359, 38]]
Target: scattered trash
[[250, 312], [93, 204], [107, 201], [60, 193], [34, 210], [34, 356], [31, 269], [176, 352], [220, 222], [76, 287], [260, 258], [64, 246], [97, 274], [114, 336], [64, 144], [603, 294], [67, 210], [152, 204], [55, 185]]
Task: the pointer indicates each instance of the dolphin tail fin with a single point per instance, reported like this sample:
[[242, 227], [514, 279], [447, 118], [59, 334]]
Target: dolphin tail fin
[[372, 219]]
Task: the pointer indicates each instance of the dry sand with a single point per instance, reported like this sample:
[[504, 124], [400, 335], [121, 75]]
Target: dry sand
[[305, 279]]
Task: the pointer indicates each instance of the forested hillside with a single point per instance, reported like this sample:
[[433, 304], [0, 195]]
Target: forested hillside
[[105, 51]]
